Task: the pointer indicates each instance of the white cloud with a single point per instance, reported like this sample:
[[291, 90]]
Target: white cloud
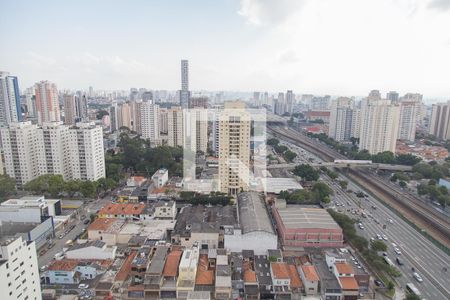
[[440, 4], [268, 12]]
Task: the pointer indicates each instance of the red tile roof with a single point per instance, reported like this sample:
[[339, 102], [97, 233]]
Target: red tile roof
[[344, 268], [122, 209], [101, 224], [204, 276], [172, 262], [124, 271], [63, 265], [280, 270], [348, 283], [296, 282], [310, 273]]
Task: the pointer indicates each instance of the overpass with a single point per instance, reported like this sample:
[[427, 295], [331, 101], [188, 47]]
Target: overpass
[[345, 165]]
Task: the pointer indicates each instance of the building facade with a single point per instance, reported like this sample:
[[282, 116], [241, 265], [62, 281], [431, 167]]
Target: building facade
[[9, 100], [47, 103], [440, 121]]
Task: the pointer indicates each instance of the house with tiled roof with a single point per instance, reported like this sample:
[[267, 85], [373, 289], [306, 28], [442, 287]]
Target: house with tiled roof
[[170, 273], [126, 211], [346, 276], [223, 278], [280, 278], [310, 279], [105, 230], [72, 271]]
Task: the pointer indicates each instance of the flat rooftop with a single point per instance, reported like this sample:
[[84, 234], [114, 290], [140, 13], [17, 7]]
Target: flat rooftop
[[294, 216], [276, 185]]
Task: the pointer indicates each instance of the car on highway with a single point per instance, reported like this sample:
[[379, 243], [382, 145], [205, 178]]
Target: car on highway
[[396, 250], [399, 261], [394, 245], [417, 277], [85, 222], [83, 286], [391, 221], [378, 283], [384, 237], [379, 237]]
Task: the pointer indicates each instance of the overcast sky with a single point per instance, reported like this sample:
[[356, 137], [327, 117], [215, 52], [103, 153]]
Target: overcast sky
[[344, 47]]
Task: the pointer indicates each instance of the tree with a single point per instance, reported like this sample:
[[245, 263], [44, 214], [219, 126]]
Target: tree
[[289, 155], [386, 157], [280, 149], [359, 242], [378, 245], [402, 184], [7, 186], [412, 297], [407, 159], [363, 155], [390, 285], [273, 142], [101, 114], [343, 184], [306, 172], [424, 169], [321, 191]]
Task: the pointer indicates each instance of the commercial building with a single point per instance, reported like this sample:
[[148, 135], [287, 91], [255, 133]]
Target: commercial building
[[234, 148], [255, 231], [19, 272], [47, 103], [91, 250], [74, 153], [160, 178], [10, 111], [304, 227], [379, 125], [440, 121], [187, 272]]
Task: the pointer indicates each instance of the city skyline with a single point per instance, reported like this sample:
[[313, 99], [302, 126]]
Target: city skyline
[[315, 47]]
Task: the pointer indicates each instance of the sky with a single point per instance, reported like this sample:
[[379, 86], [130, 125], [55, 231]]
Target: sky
[[345, 47]]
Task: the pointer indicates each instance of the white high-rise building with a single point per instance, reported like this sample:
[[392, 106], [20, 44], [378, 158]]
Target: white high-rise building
[[31, 151], [379, 125], [341, 116], [234, 148], [408, 120], [23, 152], [87, 152], [19, 272], [150, 122], [175, 127], [356, 123], [440, 121], [10, 111], [196, 130], [47, 104]]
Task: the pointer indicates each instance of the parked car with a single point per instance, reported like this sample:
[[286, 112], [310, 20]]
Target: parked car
[[86, 222], [417, 277], [83, 286]]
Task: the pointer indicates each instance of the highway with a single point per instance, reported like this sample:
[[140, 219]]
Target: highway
[[417, 251]]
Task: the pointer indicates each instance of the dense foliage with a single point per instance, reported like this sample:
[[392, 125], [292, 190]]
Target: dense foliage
[[7, 187], [306, 172], [214, 198], [320, 193]]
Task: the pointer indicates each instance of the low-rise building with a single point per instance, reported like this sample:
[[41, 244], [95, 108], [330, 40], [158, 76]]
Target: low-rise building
[[223, 285], [165, 210], [91, 250], [187, 272], [310, 279], [72, 271], [255, 231], [170, 274], [160, 177], [126, 211], [301, 227]]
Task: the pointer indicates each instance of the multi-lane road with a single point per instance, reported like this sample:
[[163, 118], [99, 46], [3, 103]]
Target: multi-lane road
[[417, 251]]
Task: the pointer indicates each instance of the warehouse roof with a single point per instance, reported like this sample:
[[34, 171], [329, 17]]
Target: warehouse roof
[[253, 215], [294, 216]]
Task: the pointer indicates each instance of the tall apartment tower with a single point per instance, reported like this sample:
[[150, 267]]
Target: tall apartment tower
[[341, 116], [31, 151], [136, 116], [125, 116], [379, 125], [47, 104], [196, 130], [150, 122], [30, 99], [175, 127], [393, 96], [86, 152], [289, 101], [440, 121], [408, 120], [24, 158], [184, 92], [163, 121], [9, 99], [113, 117], [234, 148], [19, 272]]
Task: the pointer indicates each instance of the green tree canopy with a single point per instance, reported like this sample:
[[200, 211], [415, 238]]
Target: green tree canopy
[[306, 172], [7, 186], [378, 245], [273, 142]]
